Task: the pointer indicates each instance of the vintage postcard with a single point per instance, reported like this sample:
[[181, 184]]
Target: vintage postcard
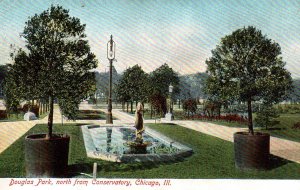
[[149, 94]]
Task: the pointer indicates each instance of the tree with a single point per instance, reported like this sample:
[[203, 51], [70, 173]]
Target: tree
[[158, 103], [3, 73], [10, 89], [160, 79], [246, 66], [266, 115], [57, 62], [133, 85], [189, 106]]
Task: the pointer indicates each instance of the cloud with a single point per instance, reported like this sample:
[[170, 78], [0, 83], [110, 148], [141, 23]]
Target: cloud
[[181, 46]]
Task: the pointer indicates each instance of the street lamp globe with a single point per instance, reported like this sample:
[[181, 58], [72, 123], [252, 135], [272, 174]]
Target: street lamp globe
[[111, 49]]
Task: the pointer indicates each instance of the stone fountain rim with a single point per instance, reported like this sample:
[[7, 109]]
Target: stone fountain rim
[[184, 151]]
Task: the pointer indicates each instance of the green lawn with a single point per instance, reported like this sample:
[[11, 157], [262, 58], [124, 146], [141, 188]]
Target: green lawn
[[20, 117], [13, 117], [284, 128], [90, 115], [212, 158]]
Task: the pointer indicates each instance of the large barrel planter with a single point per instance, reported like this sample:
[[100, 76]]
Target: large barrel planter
[[46, 157], [252, 151]]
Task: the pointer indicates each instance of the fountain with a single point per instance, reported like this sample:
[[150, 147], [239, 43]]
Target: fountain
[[131, 144]]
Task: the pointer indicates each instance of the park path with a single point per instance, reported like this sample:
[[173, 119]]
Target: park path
[[11, 131]]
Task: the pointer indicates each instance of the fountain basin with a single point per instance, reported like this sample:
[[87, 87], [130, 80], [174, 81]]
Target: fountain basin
[[110, 142]]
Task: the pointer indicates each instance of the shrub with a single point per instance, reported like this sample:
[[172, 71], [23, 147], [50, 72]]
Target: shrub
[[159, 103], [3, 114], [266, 115], [189, 106], [296, 125], [32, 108]]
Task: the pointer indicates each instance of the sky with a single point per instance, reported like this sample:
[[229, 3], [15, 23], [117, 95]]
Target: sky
[[153, 32]]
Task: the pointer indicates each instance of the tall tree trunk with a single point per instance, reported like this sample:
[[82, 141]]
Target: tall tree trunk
[[127, 106], [250, 123], [50, 117], [40, 107], [131, 107]]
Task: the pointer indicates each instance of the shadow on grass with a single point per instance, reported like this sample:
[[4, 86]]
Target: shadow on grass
[[276, 162], [170, 123], [90, 115], [275, 128], [75, 170]]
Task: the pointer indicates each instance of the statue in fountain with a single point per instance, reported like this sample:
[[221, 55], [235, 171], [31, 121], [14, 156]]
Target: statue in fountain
[[138, 146], [139, 124]]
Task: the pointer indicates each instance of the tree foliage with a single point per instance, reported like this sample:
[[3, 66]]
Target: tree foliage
[[133, 85], [161, 78], [247, 66], [10, 89], [266, 116], [3, 73], [56, 63], [158, 103], [189, 106]]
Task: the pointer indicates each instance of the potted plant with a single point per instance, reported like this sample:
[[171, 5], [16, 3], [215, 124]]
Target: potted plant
[[56, 66], [245, 67]]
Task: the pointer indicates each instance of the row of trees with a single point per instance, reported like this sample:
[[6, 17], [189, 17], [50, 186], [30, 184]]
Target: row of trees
[[136, 85]]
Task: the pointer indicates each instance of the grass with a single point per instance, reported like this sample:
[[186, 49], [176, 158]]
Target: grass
[[13, 117], [212, 158], [284, 128], [227, 124], [20, 117], [91, 115]]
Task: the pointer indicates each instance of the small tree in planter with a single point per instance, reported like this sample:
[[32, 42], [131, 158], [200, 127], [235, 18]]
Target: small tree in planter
[[56, 65], [246, 66]]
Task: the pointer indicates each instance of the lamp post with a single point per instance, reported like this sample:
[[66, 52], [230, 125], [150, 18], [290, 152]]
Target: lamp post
[[169, 115], [111, 51], [170, 94]]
